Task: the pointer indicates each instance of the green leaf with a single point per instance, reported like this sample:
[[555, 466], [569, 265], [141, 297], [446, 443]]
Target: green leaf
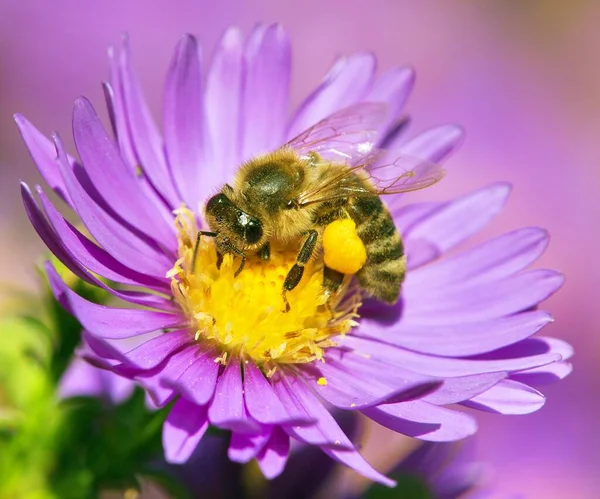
[[30, 416], [105, 446], [24, 356]]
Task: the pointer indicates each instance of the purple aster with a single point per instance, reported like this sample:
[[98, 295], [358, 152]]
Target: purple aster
[[83, 379], [220, 346], [449, 470]]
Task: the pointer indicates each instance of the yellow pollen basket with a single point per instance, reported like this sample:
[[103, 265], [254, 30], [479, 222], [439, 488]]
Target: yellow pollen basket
[[244, 315], [342, 248]]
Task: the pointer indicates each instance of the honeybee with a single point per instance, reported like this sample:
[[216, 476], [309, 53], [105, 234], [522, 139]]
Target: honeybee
[[329, 172]]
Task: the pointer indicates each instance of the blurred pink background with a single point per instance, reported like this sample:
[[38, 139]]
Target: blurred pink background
[[523, 78]]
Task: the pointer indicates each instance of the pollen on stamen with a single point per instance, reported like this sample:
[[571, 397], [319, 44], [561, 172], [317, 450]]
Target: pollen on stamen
[[244, 316]]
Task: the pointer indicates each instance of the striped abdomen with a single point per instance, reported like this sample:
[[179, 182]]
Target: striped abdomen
[[385, 268]]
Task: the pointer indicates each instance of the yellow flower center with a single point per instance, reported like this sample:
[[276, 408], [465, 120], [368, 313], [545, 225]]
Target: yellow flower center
[[245, 314]]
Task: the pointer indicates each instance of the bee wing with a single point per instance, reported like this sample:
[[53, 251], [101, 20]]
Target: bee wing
[[348, 136], [403, 174]]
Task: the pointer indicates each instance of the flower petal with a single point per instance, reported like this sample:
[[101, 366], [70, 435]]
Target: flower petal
[[526, 358], [273, 456], [292, 483], [458, 340], [158, 382], [508, 397], [432, 145], [348, 82], [393, 87], [448, 425], [545, 374], [531, 346], [494, 259], [555, 345], [82, 379], [223, 106], [98, 351], [261, 400], [266, 90], [183, 122], [154, 351], [479, 302], [450, 469], [408, 215], [454, 222], [244, 447], [462, 388], [113, 93], [420, 252], [302, 404], [183, 429], [227, 409], [355, 382], [91, 256], [43, 153], [46, 233], [199, 379], [114, 181], [63, 253], [354, 460], [144, 134], [109, 322], [117, 240]]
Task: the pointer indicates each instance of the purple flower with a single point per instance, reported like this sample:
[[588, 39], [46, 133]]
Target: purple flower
[[220, 345], [83, 379], [449, 470]]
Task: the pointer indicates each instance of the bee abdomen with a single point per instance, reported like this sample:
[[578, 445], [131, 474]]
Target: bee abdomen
[[383, 280], [385, 268]]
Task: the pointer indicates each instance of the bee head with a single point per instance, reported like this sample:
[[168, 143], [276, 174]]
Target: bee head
[[228, 220]]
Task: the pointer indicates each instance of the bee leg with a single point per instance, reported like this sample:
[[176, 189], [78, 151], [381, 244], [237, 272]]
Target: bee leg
[[291, 281], [332, 282], [197, 245], [332, 279], [242, 263], [229, 247], [285, 300], [295, 274], [265, 252]]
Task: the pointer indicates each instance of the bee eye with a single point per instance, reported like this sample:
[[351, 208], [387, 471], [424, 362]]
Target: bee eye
[[217, 201], [251, 227], [290, 204], [253, 231]]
